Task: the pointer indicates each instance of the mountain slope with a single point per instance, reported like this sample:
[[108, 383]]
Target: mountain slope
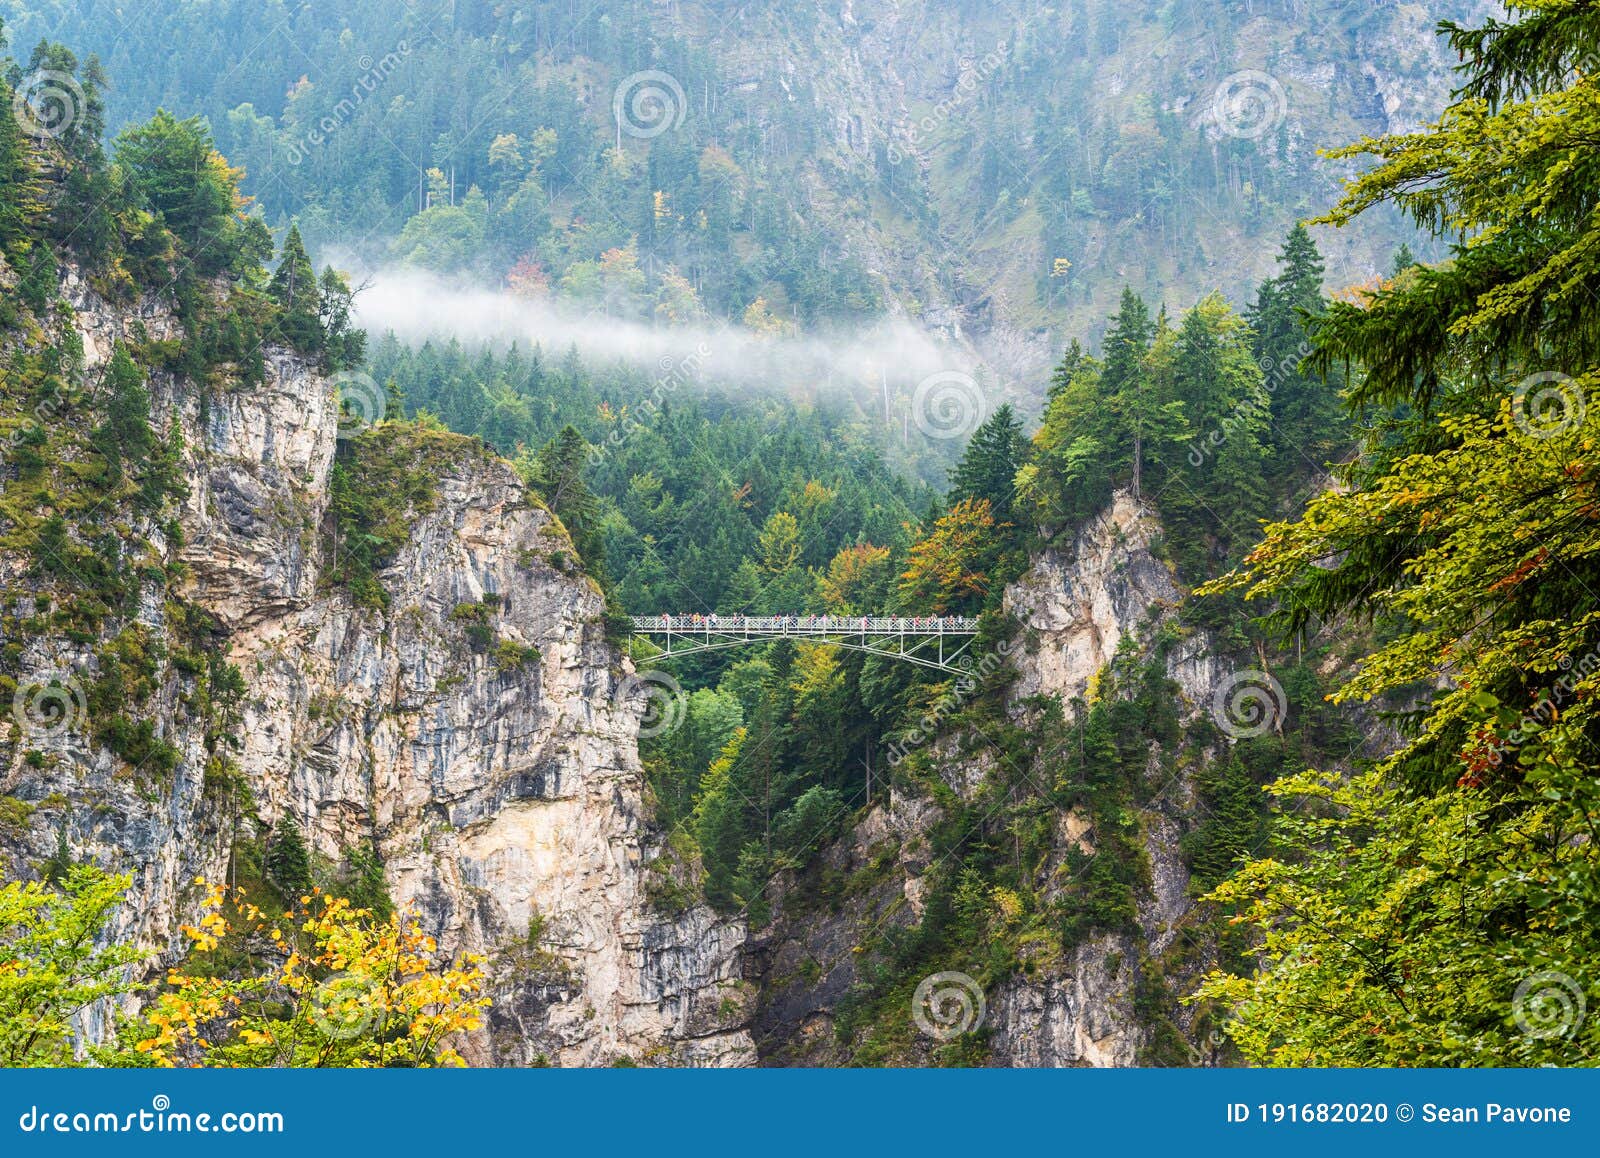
[[997, 173]]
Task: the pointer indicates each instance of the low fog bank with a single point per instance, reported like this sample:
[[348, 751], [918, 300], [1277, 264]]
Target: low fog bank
[[876, 365]]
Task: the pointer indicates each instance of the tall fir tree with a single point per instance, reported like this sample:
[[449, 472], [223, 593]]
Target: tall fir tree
[[288, 861], [19, 194], [125, 439], [1123, 381], [294, 288], [1413, 920], [988, 468], [557, 473], [1213, 507], [1307, 417]]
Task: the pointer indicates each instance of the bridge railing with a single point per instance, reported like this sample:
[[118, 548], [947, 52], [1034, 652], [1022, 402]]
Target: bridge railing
[[805, 624]]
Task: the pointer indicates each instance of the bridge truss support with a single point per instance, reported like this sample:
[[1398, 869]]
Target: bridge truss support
[[931, 643]]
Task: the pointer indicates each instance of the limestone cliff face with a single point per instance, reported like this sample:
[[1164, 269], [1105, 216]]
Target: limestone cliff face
[[1078, 604], [498, 800], [1075, 605]]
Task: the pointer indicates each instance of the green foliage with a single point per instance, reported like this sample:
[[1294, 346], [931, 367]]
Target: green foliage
[[989, 465], [54, 965], [673, 493], [1407, 916], [1407, 929], [539, 187], [556, 472], [1308, 426], [294, 287], [362, 881], [1234, 824], [477, 621], [287, 862], [125, 439], [1213, 424], [130, 665], [18, 182], [510, 656], [175, 172]]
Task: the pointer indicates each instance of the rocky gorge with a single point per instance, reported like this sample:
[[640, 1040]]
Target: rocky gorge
[[475, 733]]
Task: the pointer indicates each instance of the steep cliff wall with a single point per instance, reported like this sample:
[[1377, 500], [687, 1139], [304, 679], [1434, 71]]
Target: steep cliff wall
[[504, 799], [1077, 605]]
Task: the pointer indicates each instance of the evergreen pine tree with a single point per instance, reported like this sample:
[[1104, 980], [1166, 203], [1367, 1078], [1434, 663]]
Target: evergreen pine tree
[[18, 188], [1218, 384], [744, 592], [1308, 423], [558, 474], [1061, 377], [988, 468], [173, 168], [125, 439], [343, 346], [294, 289], [288, 861], [1123, 381]]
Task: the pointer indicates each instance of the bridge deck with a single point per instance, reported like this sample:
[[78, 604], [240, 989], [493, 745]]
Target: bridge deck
[[748, 625], [935, 641]]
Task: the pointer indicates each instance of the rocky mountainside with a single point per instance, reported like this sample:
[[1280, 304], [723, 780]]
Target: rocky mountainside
[[463, 728], [476, 733], [1028, 161], [1102, 602], [1077, 606], [996, 173]]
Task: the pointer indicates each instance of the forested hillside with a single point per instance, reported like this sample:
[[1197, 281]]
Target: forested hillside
[[757, 761], [991, 171], [1275, 741]]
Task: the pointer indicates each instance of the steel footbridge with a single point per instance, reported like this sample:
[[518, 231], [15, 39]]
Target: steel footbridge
[[931, 641]]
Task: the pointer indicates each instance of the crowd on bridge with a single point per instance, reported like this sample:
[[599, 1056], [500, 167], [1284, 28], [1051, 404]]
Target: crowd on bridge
[[806, 624]]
